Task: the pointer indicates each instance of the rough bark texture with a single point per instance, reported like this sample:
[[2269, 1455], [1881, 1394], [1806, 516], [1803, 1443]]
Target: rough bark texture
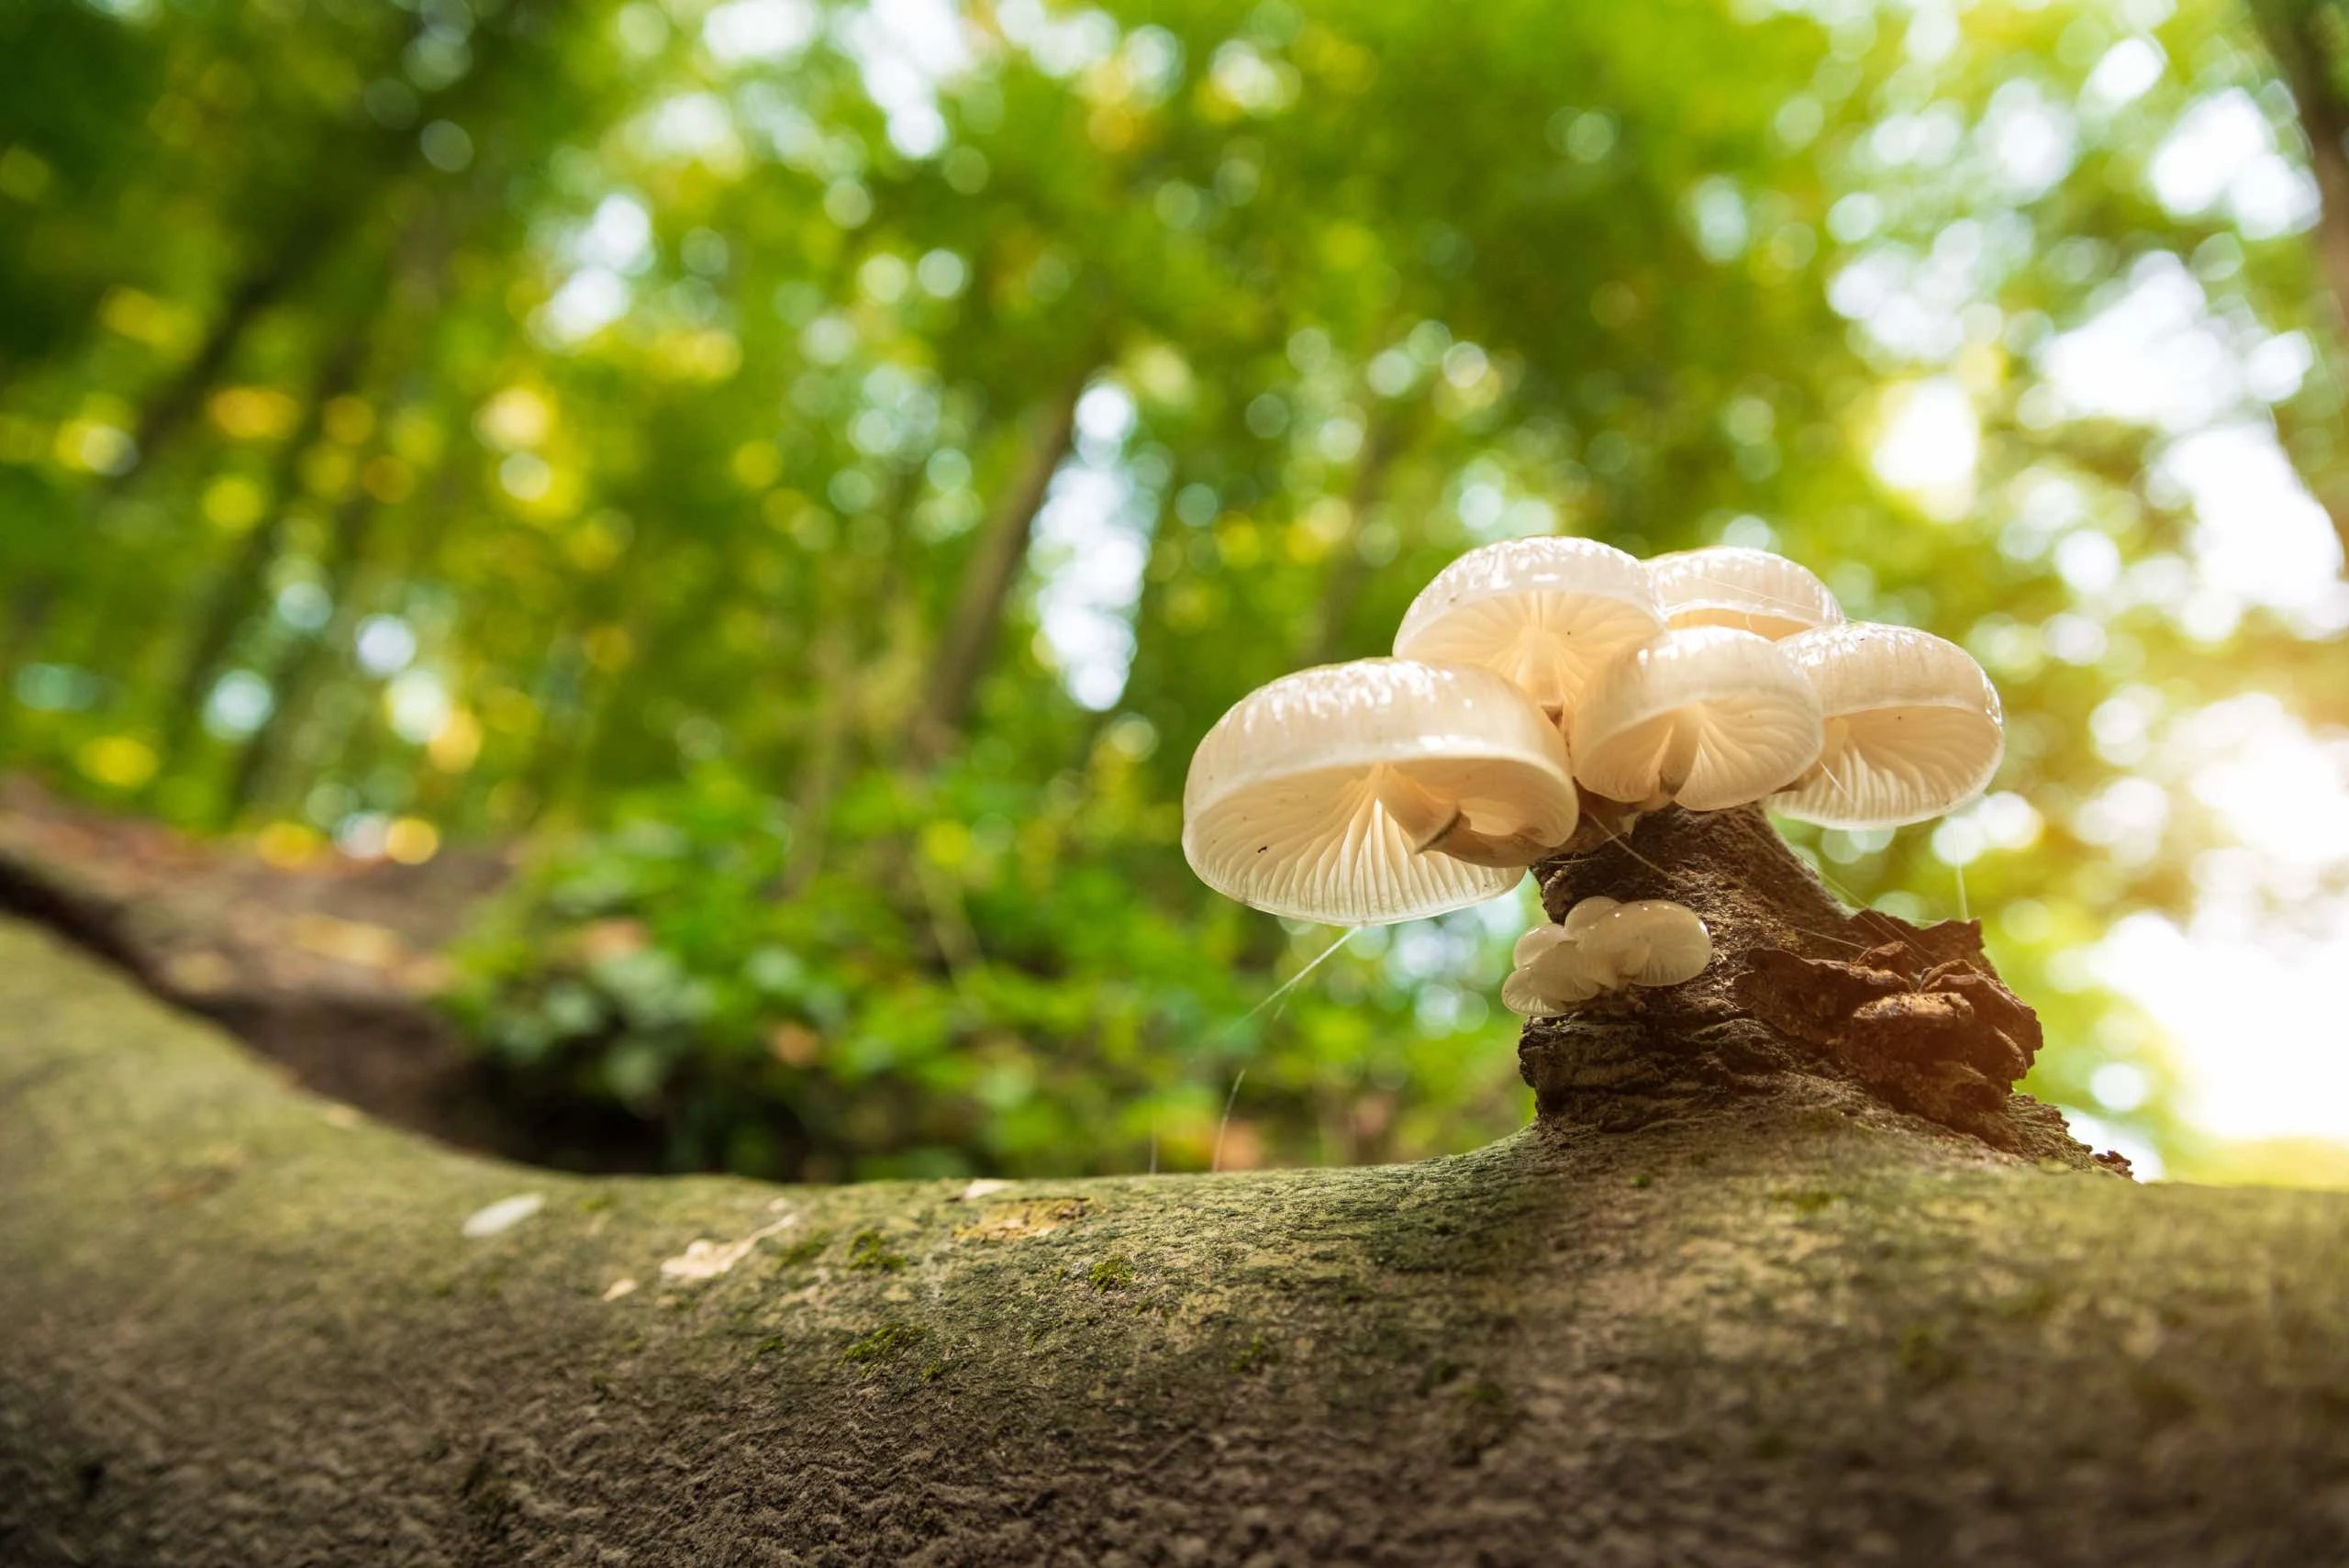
[[1732, 1308], [1916, 1015], [328, 970]]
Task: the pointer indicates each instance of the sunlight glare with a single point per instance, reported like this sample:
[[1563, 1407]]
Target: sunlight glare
[[1930, 445]]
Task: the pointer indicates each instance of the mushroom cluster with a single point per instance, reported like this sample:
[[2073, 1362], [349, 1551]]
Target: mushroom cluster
[[1538, 680], [1603, 945]]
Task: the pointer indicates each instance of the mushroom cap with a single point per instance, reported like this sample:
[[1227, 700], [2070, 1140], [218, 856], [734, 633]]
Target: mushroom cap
[[1913, 726], [1650, 941], [1548, 612], [1542, 938], [1710, 717], [1312, 796], [1603, 946], [1753, 590], [1534, 943], [1530, 995], [1586, 913]]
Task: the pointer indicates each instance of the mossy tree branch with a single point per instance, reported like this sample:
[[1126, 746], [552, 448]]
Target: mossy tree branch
[[1794, 1326], [1915, 1016]]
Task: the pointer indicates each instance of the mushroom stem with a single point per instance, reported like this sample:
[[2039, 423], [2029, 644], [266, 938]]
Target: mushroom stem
[[1603, 820], [1679, 759], [1444, 827], [1513, 846], [1424, 816]]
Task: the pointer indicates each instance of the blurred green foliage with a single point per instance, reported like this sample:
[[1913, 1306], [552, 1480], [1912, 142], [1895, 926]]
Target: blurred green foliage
[[819, 469], [1044, 1008]]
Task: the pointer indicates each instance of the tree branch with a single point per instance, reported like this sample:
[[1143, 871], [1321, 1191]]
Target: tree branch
[[964, 651], [245, 1326], [2292, 31], [1324, 638], [241, 585], [1914, 1017]]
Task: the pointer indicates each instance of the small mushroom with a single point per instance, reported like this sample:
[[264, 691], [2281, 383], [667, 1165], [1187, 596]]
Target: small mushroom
[[1586, 913], [1913, 726], [1604, 946], [1751, 590], [1708, 716], [1579, 919], [1548, 612], [1542, 938], [1545, 993], [1651, 942], [1375, 791]]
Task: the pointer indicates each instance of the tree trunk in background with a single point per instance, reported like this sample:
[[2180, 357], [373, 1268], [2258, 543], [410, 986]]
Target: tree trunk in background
[[265, 750], [1325, 637], [2296, 36], [1723, 1304], [354, 177], [239, 591], [29, 604], [169, 408], [2294, 33], [968, 643], [839, 664], [824, 762]]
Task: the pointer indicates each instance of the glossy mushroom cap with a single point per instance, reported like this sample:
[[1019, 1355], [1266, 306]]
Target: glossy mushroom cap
[[1709, 717], [1751, 590], [1579, 919], [1605, 946], [1651, 942], [1547, 613], [1375, 791], [1913, 726], [1547, 989]]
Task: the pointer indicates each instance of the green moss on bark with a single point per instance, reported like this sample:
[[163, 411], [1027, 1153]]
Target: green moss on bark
[[244, 1326]]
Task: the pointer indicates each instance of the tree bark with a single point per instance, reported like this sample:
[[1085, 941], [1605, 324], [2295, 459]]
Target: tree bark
[[1324, 639], [240, 588], [2293, 32], [1724, 1302], [303, 669], [968, 643], [1914, 1017]]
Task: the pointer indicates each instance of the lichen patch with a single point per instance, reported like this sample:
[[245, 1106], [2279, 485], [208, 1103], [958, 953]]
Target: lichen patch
[[704, 1259], [1032, 1217]]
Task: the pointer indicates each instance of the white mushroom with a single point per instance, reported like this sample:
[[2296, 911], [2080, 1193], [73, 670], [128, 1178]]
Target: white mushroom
[[1375, 791], [1709, 717], [1531, 993], [1913, 726], [1542, 938], [1586, 913], [1651, 942], [1547, 613], [1534, 945], [1751, 590], [1604, 946]]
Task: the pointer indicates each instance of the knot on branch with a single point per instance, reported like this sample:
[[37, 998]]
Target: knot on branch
[[1914, 1017], [1923, 1021]]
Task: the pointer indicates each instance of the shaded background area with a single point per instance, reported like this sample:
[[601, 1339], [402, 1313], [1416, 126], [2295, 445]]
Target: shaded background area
[[795, 480]]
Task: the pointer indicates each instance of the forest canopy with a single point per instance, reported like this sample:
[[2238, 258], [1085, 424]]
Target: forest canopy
[[810, 473]]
